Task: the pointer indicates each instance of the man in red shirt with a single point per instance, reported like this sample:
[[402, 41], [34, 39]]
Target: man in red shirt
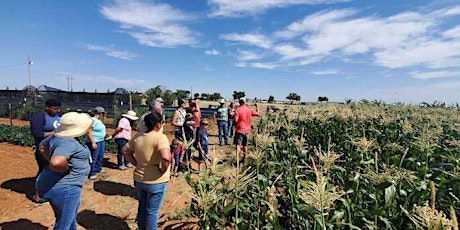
[[242, 118]]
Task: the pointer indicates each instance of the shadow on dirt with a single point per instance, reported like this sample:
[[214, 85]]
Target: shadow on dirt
[[22, 224], [114, 189], [24, 186], [106, 163], [90, 220]]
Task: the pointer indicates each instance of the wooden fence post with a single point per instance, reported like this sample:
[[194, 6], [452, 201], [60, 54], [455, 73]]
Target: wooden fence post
[[10, 114]]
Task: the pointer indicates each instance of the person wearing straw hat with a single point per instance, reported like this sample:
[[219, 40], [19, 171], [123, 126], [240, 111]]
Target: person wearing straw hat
[[150, 153], [96, 141], [61, 181], [122, 135], [221, 119]]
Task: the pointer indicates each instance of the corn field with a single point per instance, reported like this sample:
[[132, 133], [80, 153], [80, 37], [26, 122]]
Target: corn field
[[339, 167]]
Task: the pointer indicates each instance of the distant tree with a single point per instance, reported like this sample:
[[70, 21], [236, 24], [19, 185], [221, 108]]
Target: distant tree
[[348, 101], [205, 96], [196, 95], [7, 88], [168, 97], [83, 90], [323, 99], [108, 90], [293, 97], [214, 97], [271, 99], [183, 94], [95, 90], [238, 94]]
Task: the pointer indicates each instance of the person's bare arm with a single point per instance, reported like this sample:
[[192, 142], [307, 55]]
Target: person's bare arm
[[129, 155], [59, 164], [91, 139], [165, 155], [117, 130], [174, 119], [44, 151]]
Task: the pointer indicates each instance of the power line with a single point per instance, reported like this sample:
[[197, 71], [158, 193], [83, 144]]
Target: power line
[[15, 65]]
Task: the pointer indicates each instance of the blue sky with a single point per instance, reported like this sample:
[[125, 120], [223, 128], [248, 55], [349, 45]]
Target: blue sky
[[393, 50]]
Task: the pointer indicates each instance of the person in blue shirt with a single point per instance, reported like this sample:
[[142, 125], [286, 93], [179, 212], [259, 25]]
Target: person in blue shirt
[[96, 142], [61, 181], [42, 125]]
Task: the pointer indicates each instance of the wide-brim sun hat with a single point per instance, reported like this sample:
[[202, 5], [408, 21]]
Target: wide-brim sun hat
[[130, 115], [222, 101], [242, 100], [73, 124]]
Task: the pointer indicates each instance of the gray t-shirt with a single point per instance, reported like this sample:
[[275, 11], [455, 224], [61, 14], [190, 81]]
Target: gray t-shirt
[[78, 162]]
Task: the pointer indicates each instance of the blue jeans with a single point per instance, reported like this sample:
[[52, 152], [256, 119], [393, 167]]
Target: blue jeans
[[223, 131], [64, 201], [150, 198], [120, 158], [97, 155], [231, 128]]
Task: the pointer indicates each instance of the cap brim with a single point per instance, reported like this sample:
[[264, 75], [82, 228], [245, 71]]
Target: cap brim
[[131, 117]]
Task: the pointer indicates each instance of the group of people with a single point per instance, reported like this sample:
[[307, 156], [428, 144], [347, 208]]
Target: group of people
[[65, 164]]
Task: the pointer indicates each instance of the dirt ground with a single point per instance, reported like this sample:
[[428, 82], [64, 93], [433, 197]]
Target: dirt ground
[[106, 203]]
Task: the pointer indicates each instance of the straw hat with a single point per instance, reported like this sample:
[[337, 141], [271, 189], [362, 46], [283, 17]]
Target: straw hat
[[73, 124], [130, 115], [222, 101]]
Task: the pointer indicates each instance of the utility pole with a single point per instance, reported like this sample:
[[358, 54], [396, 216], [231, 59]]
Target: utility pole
[[71, 83], [29, 62]]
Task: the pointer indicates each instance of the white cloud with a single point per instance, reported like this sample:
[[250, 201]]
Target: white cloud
[[313, 22], [212, 52], [433, 54], [326, 72], [247, 55], [238, 8], [289, 52], [249, 39], [261, 65], [446, 12], [152, 24], [452, 33], [112, 52], [257, 65], [398, 41], [436, 74]]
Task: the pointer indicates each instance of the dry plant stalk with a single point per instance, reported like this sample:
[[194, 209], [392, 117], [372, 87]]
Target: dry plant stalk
[[426, 217], [363, 144], [327, 158], [316, 194], [430, 218]]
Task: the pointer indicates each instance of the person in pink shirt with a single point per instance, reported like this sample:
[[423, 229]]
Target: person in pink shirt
[[122, 135], [242, 119]]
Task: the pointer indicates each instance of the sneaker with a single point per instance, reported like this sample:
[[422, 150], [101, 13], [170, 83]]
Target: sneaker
[[129, 165], [93, 177], [102, 171], [122, 167]]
